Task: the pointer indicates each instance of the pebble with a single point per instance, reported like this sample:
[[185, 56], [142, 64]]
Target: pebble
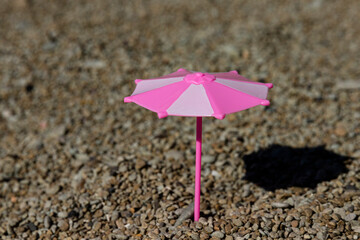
[[140, 164], [294, 223], [340, 131], [53, 190], [237, 222], [308, 212], [47, 222], [173, 154], [115, 215], [94, 64], [187, 212], [321, 236], [280, 205], [340, 211], [218, 234], [62, 214], [63, 225], [349, 217], [96, 226], [98, 214], [195, 236], [82, 158], [208, 159], [31, 226], [208, 229]]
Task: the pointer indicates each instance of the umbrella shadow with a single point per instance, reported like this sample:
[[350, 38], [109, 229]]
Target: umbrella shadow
[[280, 167]]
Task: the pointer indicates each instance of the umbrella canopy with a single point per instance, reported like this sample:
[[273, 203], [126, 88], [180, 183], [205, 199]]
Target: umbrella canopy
[[197, 94]]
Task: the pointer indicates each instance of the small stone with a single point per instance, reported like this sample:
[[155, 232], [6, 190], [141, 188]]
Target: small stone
[[350, 217], [31, 226], [63, 225], [140, 164], [218, 234], [208, 159], [294, 223], [208, 229], [321, 236], [322, 189], [347, 84], [307, 236], [195, 236], [114, 215], [53, 189], [237, 222], [340, 211], [132, 177], [228, 228], [126, 214], [273, 235], [350, 208], [94, 64], [62, 214], [96, 226], [328, 211], [153, 235], [204, 236], [73, 214], [340, 131], [47, 222], [308, 212], [82, 158], [120, 224], [186, 213], [173, 154], [229, 238], [98, 214], [198, 225], [336, 216], [280, 205], [246, 190]]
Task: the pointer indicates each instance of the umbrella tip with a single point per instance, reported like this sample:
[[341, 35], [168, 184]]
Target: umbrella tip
[[162, 114], [234, 71], [219, 116], [138, 80], [181, 69], [269, 85], [127, 99], [265, 103]]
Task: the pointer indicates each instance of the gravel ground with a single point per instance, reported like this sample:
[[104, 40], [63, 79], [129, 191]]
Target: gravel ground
[[78, 163]]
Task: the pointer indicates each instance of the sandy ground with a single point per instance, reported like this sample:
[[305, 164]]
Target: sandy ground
[[78, 163]]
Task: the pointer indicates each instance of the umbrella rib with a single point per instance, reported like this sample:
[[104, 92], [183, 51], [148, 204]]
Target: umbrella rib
[[269, 85]]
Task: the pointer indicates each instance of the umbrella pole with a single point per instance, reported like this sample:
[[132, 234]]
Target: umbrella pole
[[198, 169]]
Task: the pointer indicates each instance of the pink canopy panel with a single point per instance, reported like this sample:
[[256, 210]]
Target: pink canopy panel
[[196, 94]]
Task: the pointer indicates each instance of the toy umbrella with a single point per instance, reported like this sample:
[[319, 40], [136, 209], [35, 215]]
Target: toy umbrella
[[197, 94]]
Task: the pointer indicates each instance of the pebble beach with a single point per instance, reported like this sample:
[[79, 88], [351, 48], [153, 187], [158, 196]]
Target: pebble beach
[[76, 162]]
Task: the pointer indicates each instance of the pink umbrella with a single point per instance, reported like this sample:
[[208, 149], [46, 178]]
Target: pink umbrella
[[196, 94]]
